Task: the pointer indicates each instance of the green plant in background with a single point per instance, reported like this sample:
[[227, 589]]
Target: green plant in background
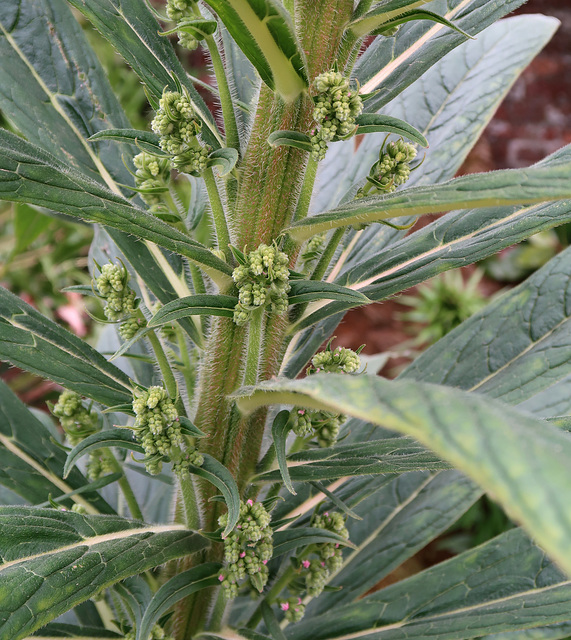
[[180, 506]]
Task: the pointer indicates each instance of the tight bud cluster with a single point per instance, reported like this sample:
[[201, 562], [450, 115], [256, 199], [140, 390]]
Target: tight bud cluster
[[247, 549], [191, 457], [98, 465], [336, 108], [193, 161], [156, 426], [157, 633], [176, 122], [152, 176], [330, 557], [293, 609], [392, 169], [324, 425], [313, 249], [112, 287], [179, 9], [263, 281], [77, 421], [129, 327]]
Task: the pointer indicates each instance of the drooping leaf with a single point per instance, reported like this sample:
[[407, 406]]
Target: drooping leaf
[[293, 538], [31, 464], [30, 174], [392, 64], [122, 438], [203, 304], [382, 13], [199, 27], [225, 158], [295, 139], [311, 290], [374, 122], [498, 188], [265, 33], [76, 556], [144, 140], [518, 460], [280, 431], [31, 341], [218, 475], [458, 599], [134, 33], [181, 586]]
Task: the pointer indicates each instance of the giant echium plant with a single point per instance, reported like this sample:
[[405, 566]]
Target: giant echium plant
[[357, 473]]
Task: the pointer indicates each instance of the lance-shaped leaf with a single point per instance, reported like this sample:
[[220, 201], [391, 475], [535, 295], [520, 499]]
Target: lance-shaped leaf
[[381, 14], [121, 438], [56, 630], [203, 304], [457, 599], [392, 64], [374, 122], [218, 475], [310, 290], [31, 341], [42, 576], [27, 173], [31, 464], [519, 461], [390, 455], [295, 139], [134, 33], [144, 140], [264, 31], [511, 186], [280, 431], [293, 538], [181, 586], [476, 356]]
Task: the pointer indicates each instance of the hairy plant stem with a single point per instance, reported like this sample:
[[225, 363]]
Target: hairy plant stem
[[218, 215], [254, 342], [164, 365]]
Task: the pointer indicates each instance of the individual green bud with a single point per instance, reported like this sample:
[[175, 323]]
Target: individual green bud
[[312, 251], [393, 166], [77, 421], [327, 426], [191, 457], [187, 40], [79, 508]]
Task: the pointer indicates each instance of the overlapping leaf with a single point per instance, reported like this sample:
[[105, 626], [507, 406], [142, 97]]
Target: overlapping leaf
[[41, 576], [519, 461]]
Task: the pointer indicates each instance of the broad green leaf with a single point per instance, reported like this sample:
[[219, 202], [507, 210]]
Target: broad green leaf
[[30, 174], [31, 341], [295, 139], [28, 225], [390, 455], [525, 474], [536, 316], [144, 140], [497, 188], [134, 33], [31, 464], [374, 122], [122, 438], [225, 159], [181, 586], [218, 475], [76, 556], [203, 304], [382, 13], [310, 290], [280, 431], [392, 64], [290, 539], [504, 585], [265, 33]]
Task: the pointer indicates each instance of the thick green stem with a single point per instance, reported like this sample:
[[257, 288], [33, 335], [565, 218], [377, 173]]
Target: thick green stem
[[327, 255], [191, 509], [218, 215], [126, 488], [164, 365], [254, 342]]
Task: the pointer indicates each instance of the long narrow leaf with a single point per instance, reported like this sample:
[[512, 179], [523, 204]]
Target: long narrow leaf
[[205, 304]]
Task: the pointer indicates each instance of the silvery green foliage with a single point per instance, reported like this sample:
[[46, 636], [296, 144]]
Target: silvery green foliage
[[170, 494]]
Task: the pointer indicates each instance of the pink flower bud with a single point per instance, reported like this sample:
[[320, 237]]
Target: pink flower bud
[[221, 578], [284, 606], [250, 503], [306, 563]]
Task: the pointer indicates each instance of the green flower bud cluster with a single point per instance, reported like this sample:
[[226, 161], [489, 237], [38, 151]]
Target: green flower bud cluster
[[313, 250], [247, 548], [129, 327], [157, 633], [79, 508], [293, 609], [77, 421], [98, 465], [179, 9], [112, 287], [156, 426], [263, 281], [392, 169], [338, 360], [175, 122], [191, 457], [152, 173], [330, 557], [193, 161], [336, 108], [187, 40]]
